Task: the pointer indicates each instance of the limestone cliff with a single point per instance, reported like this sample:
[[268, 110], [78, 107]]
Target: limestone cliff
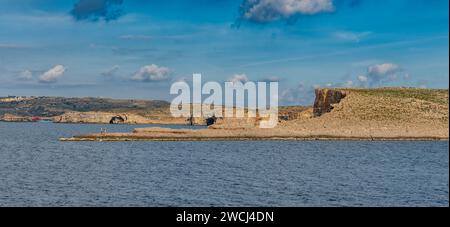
[[119, 118], [325, 98], [15, 118]]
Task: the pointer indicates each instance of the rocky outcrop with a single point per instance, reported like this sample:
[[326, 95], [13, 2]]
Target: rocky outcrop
[[101, 118], [325, 98], [364, 114], [116, 118], [15, 118], [294, 113]]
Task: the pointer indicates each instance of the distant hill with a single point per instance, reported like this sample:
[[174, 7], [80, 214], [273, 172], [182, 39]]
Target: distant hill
[[54, 106]]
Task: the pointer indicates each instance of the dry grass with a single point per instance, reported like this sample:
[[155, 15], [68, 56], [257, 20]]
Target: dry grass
[[439, 96], [394, 104]]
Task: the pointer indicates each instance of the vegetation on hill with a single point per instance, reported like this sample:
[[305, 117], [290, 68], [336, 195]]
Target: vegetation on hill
[[54, 106], [439, 96], [394, 104]]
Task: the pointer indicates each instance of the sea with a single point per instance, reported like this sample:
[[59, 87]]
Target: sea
[[36, 169]]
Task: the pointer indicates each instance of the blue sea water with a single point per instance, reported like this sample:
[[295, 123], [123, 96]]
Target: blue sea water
[[38, 170]]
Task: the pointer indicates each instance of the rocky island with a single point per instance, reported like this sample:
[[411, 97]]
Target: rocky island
[[337, 114]]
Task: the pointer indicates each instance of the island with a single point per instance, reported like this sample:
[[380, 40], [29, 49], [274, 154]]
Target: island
[[337, 114]]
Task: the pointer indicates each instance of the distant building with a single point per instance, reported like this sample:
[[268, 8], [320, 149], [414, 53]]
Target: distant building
[[11, 98]]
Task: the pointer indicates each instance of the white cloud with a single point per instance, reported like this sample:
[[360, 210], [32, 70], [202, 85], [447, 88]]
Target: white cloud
[[152, 73], [25, 75], [381, 74], [264, 11], [53, 74], [299, 95], [362, 78], [239, 78], [383, 69]]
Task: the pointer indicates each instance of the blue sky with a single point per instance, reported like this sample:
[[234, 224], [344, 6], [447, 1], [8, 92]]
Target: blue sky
[[137, 48]]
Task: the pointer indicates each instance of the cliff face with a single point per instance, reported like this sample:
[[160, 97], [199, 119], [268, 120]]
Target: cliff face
[[100, 118], [15, 118], [325, 98], [115, 118]]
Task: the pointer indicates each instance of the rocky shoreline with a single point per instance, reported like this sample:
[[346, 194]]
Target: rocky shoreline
[[338, 114], [237, 138]]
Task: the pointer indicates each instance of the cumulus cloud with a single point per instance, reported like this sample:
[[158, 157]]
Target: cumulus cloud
[[152, 73], [95, 10], [298, 95], [265, 11], [363, 79], [377, 75], [381, 73], [383, 69], [25, 75], [53, 74], [238, 78]]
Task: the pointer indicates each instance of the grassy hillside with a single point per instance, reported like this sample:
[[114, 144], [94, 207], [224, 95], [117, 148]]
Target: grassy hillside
[[394, 104], [439, 96]]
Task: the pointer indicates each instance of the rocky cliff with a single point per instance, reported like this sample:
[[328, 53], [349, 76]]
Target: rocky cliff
[[15, 118], [115, 118], [325, 99], [351, 114]]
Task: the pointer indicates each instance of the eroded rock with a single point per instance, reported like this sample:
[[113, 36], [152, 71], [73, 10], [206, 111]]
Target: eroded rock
[[325, 98]]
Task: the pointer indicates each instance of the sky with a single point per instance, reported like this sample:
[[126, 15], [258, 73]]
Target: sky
[[138, 48]]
